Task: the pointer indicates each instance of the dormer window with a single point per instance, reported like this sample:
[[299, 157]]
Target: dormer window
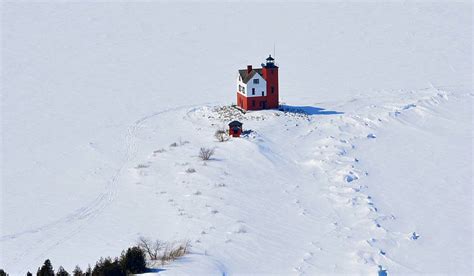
[[256, 81]]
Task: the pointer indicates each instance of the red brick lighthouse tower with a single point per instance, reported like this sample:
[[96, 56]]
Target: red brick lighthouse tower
[[270, 74], [257, 88]]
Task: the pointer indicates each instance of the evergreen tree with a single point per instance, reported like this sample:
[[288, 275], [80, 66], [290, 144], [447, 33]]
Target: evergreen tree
[[88, 271], [62, 272], [77, 271], [29, 274], [46, 269], [107, 267], [3, 273], [133, 260]]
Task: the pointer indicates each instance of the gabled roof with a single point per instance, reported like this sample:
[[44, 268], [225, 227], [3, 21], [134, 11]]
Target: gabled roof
[[235, 123], [246, 76]]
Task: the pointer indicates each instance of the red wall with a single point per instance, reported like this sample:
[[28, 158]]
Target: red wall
[[271, 76], [235, 134], [241, 101], [246, 102]]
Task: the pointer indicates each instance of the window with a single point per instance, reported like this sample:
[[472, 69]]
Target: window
[[253, 91], [256, 81], [243, 89], [273, 89], [263, 93], [253, 102]]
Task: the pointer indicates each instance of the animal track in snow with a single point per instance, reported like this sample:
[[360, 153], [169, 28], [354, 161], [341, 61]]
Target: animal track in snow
[[351, 177]]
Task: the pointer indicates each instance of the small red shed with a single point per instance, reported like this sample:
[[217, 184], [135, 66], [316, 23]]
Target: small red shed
[[235, 128]]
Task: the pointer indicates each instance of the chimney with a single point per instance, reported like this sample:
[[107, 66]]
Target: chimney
[[249, 69]]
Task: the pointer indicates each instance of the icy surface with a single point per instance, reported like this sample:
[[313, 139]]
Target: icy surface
[[368, 167]]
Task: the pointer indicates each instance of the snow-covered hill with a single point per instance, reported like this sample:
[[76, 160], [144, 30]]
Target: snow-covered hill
[[369, 167]]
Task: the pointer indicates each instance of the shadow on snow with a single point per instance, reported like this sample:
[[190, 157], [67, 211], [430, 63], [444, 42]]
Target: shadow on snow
[[308, 110], [153, 270]]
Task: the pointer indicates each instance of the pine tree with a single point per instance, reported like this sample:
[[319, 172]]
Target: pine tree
[[133, 260], [62, 272], [46, 269], [3, 273], [77, 271], [107, 267], [29, 274], [88, 271]]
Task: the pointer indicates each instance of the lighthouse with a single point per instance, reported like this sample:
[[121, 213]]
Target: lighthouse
[[257, 88]]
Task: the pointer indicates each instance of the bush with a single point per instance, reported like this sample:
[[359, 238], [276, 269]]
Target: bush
[[151, 247], [46, 269], [206, 153], [221, 135], [175, 250], [107, 267], [159, 150], [164, 251], [142, 166], [62, 272], [133, 260]]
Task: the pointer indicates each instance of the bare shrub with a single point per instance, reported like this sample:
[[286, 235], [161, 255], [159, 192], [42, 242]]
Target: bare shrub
[[206, 153], [152, 248], [221, 135], [163, 251], [142, 166], [159, 150], [179, 251], [173, 145], [175, 250]]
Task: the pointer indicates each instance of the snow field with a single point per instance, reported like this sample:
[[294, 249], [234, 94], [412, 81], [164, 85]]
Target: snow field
[[357, 177], [228, 205]]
